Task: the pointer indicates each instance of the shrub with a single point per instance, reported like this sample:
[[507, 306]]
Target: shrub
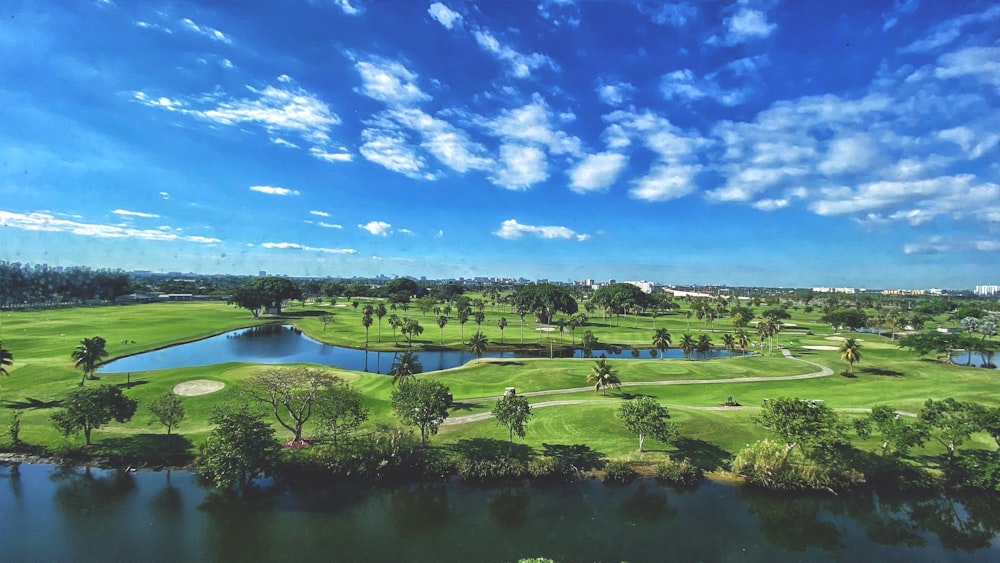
[[490, 469], [551, 468], [765, 464], [618, 471], [677, 472]]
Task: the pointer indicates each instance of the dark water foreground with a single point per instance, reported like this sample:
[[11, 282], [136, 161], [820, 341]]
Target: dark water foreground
[[55, 513]]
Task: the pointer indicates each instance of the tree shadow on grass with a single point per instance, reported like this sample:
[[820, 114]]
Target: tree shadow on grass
[[701, 453], [506, 363], [460, 406], [630, 396], [146, 449], [31, 403], [581, 456], [133, 383], [880, 371], [491, 449]]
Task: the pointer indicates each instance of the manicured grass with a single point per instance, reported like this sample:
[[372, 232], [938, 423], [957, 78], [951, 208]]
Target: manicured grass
[[43, 373]]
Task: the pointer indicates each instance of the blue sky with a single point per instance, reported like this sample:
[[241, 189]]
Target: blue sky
[[745, 143]]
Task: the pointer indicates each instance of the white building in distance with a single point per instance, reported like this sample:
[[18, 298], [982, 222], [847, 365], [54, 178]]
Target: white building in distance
[[987, 290]]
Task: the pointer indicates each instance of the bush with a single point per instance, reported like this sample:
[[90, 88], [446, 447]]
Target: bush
[[677, 472], [550, 468], [618, 471], [490, 469], [764, 464], [975, 470], [385, 454]]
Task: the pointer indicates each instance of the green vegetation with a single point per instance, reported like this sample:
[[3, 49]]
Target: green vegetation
[[899, 369]]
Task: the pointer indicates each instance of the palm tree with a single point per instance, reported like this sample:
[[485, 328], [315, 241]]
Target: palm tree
[[394, 322], [850, 352], [88, 354], [479, 344], [603, 376], [442, 320], [6, 359], [380, 312], [366, 321], [729, 342], [479, 317], [704, 345], [687, 345], [404, 365], [661, 340], [521, 313], [502, 324], [742, 341], [463, 317]]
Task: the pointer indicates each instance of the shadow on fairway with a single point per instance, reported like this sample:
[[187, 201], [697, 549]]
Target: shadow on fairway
[[581, 456], [489, 448], [146, 449], [879, 371], [701, 453], [30, 403], [460, 406]]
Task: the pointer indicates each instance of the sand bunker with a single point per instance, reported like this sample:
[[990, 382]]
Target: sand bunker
[[820, 347], [842, 338], [197, 387], [545, 329]]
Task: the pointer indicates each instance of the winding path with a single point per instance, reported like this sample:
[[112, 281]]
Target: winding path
[[823, 372]]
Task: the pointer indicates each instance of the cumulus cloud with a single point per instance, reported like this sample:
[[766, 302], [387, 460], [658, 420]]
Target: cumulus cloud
[[347, 7], [947, 31], [532, 124], [941, 245], [443, 140], [615, 94], [46, 222], [377, 228], [771, 204], [512, 230], [296, 246], [673, 14], [747, 25], [273, 190], [206, 31], [331, 156], [389, 82], [444, 15], [519, 64], [597, 172], [319, 213], [389, 148], [135, 214], [520, 167]]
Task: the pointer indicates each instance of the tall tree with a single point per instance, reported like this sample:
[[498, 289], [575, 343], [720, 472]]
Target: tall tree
[[687, 345], [463, 317], [340, 411], [240, 448], [168, 410], [366, 321], [479, 344], [704, 345], [502, 324], [90, 408], [512, 411], [850, 352], [479, 317], [268, 292], [422, 403], [645, 416], [952, 422], [405, 366], [442, 321], [291, 394], [380, 312], [729, 343], [88, 355], [545, 300], [742, 341], [602, 375], [897, 435], [661, 340], [395, 322], [810, 424], [411, 328]]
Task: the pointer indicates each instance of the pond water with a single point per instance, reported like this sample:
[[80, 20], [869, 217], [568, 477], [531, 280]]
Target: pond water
[[56, 513], [284, 344]]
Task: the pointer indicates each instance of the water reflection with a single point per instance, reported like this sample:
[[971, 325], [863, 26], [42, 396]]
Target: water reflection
[[647, 506], [417, 509], [509, 508]]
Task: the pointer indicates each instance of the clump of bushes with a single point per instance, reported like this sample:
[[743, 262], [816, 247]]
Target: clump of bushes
[[768, 465], [490, 469], [619, 471], [385, 454], [677, 472]]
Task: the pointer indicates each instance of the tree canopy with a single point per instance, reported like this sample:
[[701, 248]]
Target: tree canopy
[[89, 408], [291, 393], [810, 424], [267, 292], [645, 416], [240, 448], [545, 300], [513, 412], [422, 403]]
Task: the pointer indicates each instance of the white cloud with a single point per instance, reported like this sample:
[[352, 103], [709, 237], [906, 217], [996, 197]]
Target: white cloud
[[848, 154], [672, 171], [916, 201], [347, 8], [206, 31], [771, 204], [949, 30], [520, 167], [665, 182], [330, 225], [447, 143], [512, 230], [405, 231], [521, 65], [273, 190], [296, 246], [747, 25], [45, 222], [597, 172], [165, 195], [972, 143], [389, 149], [331, 156], [673, 14], [445, 16], [284, 143], [389, 82], [940, 245], [377, 228], [899, 8], [135, 214], [532, 124], [982, 63], [615, 94], [319, 213]]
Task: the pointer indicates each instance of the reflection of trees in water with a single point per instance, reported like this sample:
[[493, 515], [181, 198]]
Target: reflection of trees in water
[[646, 506], [883, 518], [169, 502], [793, 523], [510, 507], [82, 492], [14, 478], [239, 525], [967, 523], [264, 331], [418, 509]]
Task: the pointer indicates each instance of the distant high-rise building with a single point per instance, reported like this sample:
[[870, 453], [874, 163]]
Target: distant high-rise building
[[987, 290], [262, 273]]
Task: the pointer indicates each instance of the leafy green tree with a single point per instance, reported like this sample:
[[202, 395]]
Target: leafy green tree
[[645, 416], [411, 328], [340, 411], [404, 366], [479, 344], [576, 321], [602, 375], [513, 412], [422, 403], [661, 340], [620, 298], [810, 424], [291, 393], [88, 355], [240, 448], [168, 410], [326, 319], [90, 408], [853, 319], [545, 300], [267, 292], [952, 422], [850, 352], [687, 345], [441, 322], [897, 435]]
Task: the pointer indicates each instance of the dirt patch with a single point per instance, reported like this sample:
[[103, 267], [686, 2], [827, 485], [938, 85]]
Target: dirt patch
[[834, 348], [197, 387]]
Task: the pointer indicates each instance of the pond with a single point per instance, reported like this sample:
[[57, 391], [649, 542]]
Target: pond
[[284, 344], [58, 513]]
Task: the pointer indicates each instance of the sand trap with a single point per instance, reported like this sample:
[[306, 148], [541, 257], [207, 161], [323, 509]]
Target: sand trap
[[197, 387], [841, 338], [545, 329], [821, 348]]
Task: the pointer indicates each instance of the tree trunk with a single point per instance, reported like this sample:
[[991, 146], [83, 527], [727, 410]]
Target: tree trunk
[[641, 439], [86, 434]]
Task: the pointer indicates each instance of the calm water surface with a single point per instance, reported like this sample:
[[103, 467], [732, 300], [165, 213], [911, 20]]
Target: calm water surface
[[54, 513], [284, 344]]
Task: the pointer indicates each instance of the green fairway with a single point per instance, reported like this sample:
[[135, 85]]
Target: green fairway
[[43, 373]]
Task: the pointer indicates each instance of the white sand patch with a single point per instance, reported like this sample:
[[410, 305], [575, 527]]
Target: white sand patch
[[197, 387], [834, 348], [545, 329], [341, 305], [841, 338]]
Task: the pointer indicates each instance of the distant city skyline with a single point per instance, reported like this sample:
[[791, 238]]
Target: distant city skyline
[[743, 143]]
